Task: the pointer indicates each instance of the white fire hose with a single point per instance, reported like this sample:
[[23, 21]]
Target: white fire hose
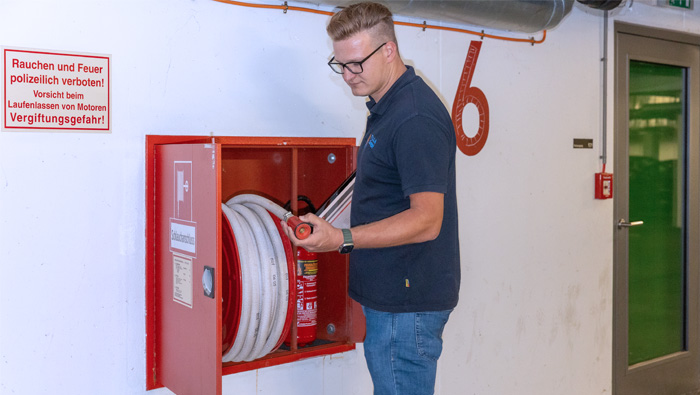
[[264, 274]]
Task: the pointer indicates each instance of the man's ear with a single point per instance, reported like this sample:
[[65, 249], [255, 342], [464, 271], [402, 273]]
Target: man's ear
[[391, 51]]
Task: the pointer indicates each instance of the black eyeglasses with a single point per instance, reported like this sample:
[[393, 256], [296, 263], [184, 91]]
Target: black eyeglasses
[[353, 67]]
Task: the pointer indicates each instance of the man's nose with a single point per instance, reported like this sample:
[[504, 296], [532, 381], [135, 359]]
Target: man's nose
[[347, 75]]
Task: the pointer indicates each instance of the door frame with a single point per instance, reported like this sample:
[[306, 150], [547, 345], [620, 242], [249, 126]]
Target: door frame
[[678, 373]]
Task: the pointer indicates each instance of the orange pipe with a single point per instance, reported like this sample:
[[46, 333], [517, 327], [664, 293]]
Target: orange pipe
[[284, 7], [423, 26]]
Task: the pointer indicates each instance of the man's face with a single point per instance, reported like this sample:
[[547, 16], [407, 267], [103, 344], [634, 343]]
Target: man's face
[[354, 49]]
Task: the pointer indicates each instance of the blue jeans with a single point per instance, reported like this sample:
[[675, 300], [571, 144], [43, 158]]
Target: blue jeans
[[402, 350]]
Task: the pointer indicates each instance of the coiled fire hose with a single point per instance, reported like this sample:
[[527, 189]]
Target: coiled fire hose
[[264, 274]]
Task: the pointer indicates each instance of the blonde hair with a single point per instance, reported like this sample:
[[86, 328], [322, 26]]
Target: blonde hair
[[370, 17]]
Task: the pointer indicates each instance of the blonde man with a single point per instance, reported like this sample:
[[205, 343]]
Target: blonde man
[[404, 265]]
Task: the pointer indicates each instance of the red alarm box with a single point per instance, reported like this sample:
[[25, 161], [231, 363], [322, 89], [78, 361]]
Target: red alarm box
[[603, 185]]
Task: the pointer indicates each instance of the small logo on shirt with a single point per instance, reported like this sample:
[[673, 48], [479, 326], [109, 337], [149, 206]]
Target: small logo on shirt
[[371, 141]]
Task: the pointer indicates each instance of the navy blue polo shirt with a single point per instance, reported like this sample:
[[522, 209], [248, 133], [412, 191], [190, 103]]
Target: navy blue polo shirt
[[409, 146]]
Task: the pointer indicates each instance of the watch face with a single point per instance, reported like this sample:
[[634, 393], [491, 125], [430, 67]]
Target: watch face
[[346, 249]]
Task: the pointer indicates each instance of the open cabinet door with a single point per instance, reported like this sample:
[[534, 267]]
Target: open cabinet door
[[187, 268]]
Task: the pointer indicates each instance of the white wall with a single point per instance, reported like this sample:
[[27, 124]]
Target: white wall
[[535, 315]]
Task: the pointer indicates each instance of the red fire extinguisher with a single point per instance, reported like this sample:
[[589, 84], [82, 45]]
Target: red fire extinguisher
[[307, 269]]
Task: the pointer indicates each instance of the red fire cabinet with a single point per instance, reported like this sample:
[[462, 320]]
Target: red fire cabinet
[[187, 179]]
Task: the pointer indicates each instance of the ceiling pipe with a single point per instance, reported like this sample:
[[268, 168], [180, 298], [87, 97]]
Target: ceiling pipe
[[525, 16], [605, 5]]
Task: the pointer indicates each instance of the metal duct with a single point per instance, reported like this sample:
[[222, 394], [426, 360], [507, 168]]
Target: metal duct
[[527, 16], [605, 5]]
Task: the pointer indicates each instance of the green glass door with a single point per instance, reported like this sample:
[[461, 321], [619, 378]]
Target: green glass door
[[657, 135], [656, 281]]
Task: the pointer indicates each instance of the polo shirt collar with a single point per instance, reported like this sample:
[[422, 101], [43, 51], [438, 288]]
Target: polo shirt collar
[[379, 107]]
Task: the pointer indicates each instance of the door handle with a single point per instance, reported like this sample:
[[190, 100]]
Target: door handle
[[624, 224]]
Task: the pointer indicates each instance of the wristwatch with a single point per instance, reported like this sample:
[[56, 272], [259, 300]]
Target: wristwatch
[[347, 245]]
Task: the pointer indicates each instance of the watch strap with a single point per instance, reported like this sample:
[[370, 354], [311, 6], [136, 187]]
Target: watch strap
[[347, 236], [348, 244]]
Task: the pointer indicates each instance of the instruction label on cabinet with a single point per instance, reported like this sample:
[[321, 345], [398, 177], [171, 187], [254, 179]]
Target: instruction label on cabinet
[[182, 280], [183, 237]]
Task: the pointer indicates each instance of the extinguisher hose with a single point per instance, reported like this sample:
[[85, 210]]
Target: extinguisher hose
[[264, 275]]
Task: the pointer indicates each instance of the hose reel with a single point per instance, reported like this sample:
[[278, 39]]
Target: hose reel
[[257, 261]]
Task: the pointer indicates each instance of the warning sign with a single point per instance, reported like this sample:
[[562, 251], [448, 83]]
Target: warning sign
[[56, 91]]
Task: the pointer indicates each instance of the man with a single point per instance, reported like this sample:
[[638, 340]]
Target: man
[[404, 265]]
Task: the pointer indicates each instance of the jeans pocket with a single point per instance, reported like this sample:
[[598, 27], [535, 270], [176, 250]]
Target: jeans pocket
[[429, 327]]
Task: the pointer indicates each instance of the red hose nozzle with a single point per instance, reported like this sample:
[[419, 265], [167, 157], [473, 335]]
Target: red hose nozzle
[[302, 230]]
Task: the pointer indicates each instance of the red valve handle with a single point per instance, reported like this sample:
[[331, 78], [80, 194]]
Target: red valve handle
[[302, 230]]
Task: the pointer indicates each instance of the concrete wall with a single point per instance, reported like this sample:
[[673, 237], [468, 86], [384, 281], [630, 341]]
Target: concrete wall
[[535, 315]]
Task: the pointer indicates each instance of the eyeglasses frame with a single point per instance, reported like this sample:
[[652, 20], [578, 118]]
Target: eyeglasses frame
[[344, 66]]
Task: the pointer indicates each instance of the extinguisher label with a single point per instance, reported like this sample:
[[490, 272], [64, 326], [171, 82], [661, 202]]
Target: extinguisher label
[[182, 280], [306, 293], [306, 301], [308, 268]]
